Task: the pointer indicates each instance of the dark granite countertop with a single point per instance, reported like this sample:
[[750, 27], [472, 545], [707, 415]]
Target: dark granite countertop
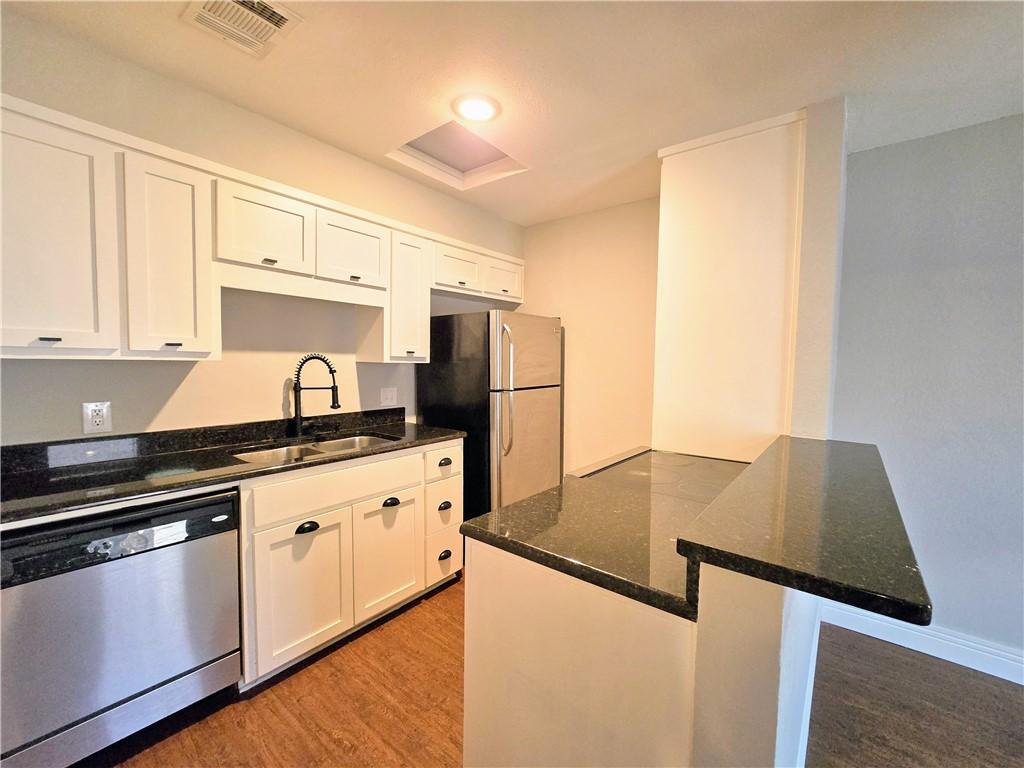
[[40, 479], [616, 528], [818, 516]]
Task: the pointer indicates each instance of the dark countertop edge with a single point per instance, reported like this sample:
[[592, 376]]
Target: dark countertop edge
[[655, 598], [245, 472], [806, 582]]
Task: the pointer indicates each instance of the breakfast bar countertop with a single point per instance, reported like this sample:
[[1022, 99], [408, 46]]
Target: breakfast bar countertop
[[818, 516]]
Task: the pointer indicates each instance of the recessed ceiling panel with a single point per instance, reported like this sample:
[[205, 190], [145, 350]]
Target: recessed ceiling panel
[[457, 147]]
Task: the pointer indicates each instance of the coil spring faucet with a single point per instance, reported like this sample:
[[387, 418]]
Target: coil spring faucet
[[297, 388]]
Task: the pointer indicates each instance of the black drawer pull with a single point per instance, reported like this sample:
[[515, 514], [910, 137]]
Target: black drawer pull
[[172, 343], [445, 555], [391, 501], [410, 351], [271, 262], [308, 527], [444, 506], [445, 462], [51, 338], [504, 290], [462, 282], [357, 278]]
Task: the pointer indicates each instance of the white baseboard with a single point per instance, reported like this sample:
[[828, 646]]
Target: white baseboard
[[982, 655]]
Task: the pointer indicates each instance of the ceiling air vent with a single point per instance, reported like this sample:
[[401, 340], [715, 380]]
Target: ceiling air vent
[[252, 25]]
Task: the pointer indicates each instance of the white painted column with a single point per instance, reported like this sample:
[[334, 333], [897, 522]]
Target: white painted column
[[754, 671], [820, 264]]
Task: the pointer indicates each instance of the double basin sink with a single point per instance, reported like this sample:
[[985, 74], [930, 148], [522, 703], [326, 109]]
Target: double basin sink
[[292, 454]]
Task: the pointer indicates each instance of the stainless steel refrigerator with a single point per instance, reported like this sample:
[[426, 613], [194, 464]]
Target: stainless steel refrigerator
[[498, 377]]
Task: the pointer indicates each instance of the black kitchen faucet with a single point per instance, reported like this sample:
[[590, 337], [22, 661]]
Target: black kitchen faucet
[[297, 388]]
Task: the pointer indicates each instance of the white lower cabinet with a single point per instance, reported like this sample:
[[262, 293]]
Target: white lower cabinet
[[326, 549], [303, 586], [387, 536]]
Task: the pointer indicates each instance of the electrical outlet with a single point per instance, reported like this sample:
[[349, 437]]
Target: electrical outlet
[[96, 418], [388, 396]]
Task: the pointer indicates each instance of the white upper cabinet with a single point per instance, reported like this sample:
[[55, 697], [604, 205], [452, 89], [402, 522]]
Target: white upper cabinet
[[503, 279], [169, 248], [60, 261], [352, 250], [457, 268], [259, 227], [412, 260]]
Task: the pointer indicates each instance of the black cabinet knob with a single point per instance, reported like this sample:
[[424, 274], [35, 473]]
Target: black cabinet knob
[[308, 527], [391, 501], [462, 282], [271, 262], [445, 462], [356, 278], [51, 338], [444, 506], [172, 344], [445, 555]]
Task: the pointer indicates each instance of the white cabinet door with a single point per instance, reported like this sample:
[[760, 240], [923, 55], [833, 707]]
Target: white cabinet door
[[303, 586], [503, 278], [352, 250], [60, 261], [259, 227], [388, 541], [169, 248], [458, 269], [411, 261]]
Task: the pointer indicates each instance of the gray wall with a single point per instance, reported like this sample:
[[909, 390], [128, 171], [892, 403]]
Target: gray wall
[[930, 358]]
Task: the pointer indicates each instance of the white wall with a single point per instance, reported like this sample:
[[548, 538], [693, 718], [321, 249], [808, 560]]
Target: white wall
[[727, 260], [930, 359], [263, 336], [597, 271]]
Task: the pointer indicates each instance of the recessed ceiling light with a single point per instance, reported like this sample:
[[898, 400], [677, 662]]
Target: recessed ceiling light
[[479, 109]]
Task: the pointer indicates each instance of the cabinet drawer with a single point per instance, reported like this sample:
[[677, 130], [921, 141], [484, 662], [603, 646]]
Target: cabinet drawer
[[443, 555], [301, 496], [444, 504], [442, 463]]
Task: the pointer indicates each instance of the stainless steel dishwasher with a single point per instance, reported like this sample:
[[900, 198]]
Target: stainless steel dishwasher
[[112, 623]]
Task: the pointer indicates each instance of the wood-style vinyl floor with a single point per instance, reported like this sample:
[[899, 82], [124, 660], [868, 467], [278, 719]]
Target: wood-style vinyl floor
[[393, 696]]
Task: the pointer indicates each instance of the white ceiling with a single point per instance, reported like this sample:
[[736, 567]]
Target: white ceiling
[[589, 91]]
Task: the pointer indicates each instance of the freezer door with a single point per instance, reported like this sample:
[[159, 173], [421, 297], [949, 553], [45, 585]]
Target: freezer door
[[526, 443], [526, 350]]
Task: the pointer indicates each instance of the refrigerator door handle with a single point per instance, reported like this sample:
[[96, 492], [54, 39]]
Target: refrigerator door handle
[[506, 331], [511, 422]]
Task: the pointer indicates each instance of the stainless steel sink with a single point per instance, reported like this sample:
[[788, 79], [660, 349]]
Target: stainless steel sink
[[354, 443], [287, 455], [295, 453]]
